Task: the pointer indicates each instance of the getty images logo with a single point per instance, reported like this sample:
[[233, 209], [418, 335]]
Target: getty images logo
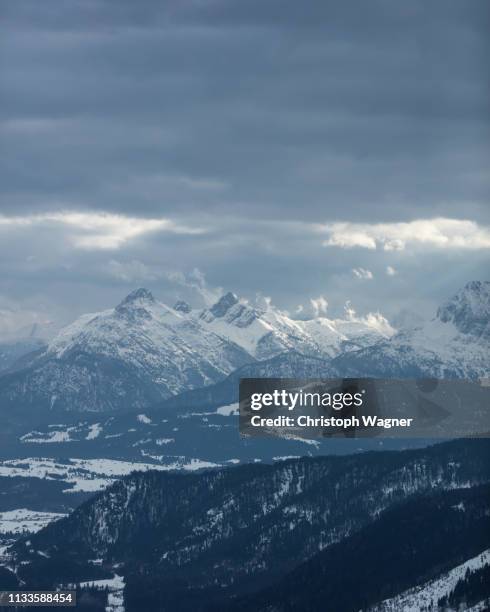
[[306, 399]]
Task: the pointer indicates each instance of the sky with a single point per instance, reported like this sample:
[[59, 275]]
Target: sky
[[309, 152]]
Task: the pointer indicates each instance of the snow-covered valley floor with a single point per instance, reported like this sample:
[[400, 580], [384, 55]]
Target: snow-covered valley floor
[[22, 520]]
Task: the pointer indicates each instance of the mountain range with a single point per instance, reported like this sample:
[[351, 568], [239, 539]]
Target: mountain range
[[454, 344], [146, 382], [142, 351]]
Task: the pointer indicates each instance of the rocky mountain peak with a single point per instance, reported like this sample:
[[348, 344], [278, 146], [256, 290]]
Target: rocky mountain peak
[[182, 306], [140, 294], [469, 309], [135, 306], [222, 306]]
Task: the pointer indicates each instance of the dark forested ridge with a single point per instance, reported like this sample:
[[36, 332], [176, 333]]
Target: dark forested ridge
[[215, 538], [409, 544]]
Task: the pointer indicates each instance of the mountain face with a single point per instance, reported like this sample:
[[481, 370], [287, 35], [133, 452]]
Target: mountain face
[[455, 344], [143, 351], [266, 332], [224, 392], [122, 359], [219, 540], [469, 310]]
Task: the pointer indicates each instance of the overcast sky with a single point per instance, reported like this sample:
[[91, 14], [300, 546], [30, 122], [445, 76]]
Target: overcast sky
[[282, 148]]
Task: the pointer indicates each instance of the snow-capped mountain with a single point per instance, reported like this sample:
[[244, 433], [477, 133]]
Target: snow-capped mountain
[[266, 332], [151, 337], [122, 359], [455, 344], [469, 310], [142, 351]]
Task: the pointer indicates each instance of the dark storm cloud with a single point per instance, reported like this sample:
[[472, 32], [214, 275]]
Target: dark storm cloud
[[379, 107]]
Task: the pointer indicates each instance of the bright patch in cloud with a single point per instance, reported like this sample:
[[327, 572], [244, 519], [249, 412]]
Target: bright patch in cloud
[[362, 273], [99, 230], [390, 271], [319, 305], [435, 233]]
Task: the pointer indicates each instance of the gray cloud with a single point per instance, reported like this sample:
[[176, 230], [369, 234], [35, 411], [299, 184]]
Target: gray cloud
[[233, 116], [287, 105]]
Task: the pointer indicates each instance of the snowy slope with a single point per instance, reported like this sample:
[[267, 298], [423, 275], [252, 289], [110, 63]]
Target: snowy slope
[[91, 474], [426, 596], [125, 358], [455, 344], [469, 310], [23, 520], [181, 330], [266, 332], [142, 351], [150, 336]]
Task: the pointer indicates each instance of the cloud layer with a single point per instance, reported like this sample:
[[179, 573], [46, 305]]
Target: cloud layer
[[97, 230], [261, 108], [437, 233], [144, 140]]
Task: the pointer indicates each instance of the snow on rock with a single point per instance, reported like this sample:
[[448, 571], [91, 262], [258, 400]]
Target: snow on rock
[[94, 431], [455, 344], [265, 333], [125, 358], [426, 596], [469, 309], [59, 434], [36, 437], [142, 351], [229, 410]]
